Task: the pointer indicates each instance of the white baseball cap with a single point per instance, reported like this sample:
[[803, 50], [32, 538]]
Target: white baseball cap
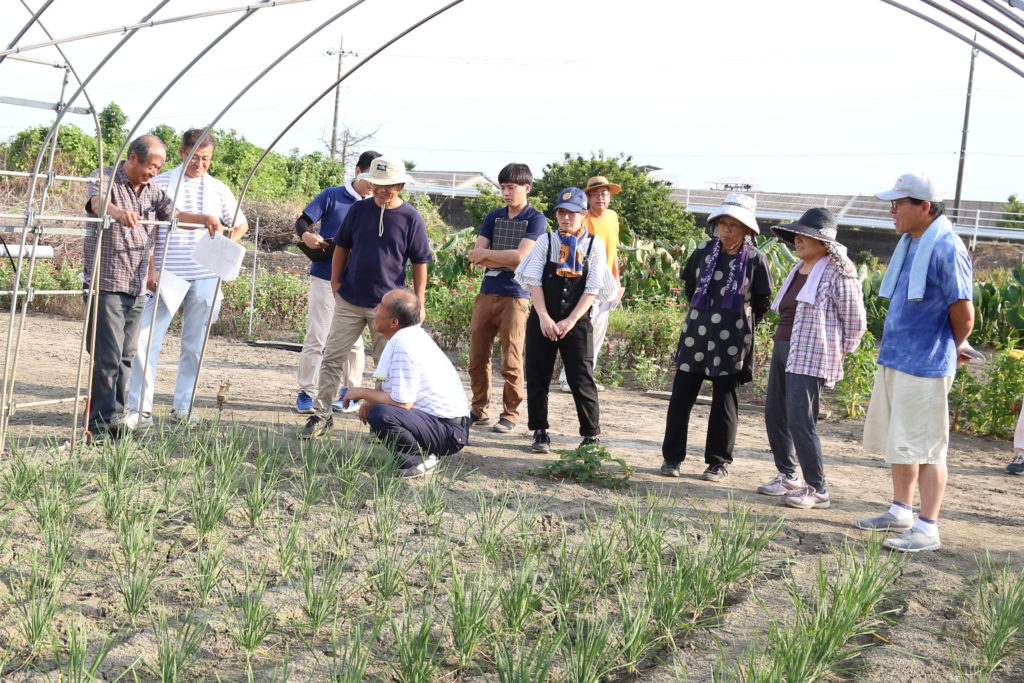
[[916, 186]]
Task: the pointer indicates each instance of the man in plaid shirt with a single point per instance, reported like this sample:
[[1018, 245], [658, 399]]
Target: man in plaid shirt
[[122, 254]]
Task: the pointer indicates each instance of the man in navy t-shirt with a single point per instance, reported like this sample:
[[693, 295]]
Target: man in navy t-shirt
[[374, 242], [328, 209], [506, 237]]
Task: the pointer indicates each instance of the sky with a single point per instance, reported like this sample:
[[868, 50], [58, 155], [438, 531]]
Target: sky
[[837, 96]]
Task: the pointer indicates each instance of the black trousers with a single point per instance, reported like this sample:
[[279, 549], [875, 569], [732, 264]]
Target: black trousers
[[578, 358], [722, 422]]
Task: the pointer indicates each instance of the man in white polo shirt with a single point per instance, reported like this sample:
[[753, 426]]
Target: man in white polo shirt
[[419, 407], [199, 193]]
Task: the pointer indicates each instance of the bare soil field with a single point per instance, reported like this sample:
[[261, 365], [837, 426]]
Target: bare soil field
[[932, 621]]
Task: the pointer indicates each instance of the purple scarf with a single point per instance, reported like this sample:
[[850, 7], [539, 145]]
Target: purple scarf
[[734, 284]]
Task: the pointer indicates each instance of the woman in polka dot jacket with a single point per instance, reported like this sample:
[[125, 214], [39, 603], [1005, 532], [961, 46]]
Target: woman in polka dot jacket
[[728, 283]]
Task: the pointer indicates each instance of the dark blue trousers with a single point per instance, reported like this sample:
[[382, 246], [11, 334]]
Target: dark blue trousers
[[410, 432]]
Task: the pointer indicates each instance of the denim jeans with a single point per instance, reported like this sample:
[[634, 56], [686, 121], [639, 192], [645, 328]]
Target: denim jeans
[[791, 417], [195, 313]]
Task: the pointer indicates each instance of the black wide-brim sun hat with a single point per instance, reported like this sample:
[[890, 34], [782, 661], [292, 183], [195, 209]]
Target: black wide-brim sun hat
[[820, 224]]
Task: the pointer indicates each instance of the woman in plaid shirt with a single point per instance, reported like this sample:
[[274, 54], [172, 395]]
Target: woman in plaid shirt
[[821, 319]]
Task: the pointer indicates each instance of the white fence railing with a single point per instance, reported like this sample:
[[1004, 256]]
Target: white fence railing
[[860, 211]]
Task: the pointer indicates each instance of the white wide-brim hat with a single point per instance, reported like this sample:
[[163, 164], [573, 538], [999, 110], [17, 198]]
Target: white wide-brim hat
[[738, 206], [386, 171]]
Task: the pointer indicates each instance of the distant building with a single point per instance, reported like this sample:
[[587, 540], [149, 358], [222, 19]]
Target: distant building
[[449, 191]]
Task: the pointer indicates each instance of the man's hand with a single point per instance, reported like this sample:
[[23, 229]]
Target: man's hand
[[335, 285], [313, 240], [212, 224], [477, 255], [151, 281], [423, 312], [129, 219], [548, 327]]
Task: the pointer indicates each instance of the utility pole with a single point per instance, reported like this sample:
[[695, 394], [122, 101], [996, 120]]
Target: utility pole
[[337, 94], [963, 137]]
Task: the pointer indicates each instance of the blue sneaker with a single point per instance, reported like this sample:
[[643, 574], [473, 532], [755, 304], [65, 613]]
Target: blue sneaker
[[340, 406], [304, 403]]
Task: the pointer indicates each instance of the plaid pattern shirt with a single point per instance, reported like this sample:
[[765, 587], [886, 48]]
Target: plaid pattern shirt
[[124, 258], [825, 331]]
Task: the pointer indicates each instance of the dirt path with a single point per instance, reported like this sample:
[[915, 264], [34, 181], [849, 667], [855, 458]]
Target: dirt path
[[982, 512]]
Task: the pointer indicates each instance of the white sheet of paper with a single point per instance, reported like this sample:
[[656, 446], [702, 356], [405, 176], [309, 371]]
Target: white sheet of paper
[[219, 255], [173, 289]]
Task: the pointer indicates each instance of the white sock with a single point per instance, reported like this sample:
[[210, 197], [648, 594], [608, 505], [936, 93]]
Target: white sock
[[900, 512], [930, 528]]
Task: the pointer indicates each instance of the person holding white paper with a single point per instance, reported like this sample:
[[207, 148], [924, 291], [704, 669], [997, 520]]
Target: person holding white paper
[[199, 193]]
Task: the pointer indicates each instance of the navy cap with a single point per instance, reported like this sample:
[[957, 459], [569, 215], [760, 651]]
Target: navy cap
[[573, 199]]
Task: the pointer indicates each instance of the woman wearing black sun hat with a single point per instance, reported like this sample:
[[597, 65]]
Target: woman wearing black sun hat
[[821, 319]]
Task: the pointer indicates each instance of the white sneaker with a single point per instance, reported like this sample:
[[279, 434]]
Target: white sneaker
[[421, 468], [913, 541], [350, 407], [182, 417], [133, 419], [565, 387], [600, 387], [781, 485]]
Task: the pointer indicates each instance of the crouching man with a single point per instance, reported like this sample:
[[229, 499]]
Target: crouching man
[[418, 408]]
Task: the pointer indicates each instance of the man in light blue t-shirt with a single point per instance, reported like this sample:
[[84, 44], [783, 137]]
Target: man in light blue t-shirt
[[930, 316]]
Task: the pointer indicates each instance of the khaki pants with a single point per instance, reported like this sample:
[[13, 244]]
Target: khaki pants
[[504, 317], [346, 326], [908, 418], [319, 314]]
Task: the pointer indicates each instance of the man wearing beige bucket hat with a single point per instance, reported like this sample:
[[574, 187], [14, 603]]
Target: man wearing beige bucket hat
[[604, 223], [378, 236]]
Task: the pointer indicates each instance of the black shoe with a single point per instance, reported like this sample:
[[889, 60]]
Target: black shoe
[[478, 421], [1016, 466], [109, 432], [715, 473], [590, 441], [316, 427], [541, 441]]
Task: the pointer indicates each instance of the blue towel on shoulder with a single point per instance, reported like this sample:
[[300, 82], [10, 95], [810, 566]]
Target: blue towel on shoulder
[[919, 268]]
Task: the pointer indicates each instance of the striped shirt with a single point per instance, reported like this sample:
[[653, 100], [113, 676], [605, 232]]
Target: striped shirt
[[204, 194], [600, 281], [414, 370], [825, 331], [124, 258]]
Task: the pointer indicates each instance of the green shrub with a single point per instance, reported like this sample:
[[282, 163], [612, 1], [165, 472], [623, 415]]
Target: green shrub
[[449, 311], [988, 402], [853, 392], [642, 338], [279, 304], [587, 463]]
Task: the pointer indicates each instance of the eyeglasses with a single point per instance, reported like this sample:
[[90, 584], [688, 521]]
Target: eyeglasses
[[895, 203]]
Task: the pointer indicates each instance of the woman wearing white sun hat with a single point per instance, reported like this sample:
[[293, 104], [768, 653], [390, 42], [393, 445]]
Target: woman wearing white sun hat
[[729, 286]]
